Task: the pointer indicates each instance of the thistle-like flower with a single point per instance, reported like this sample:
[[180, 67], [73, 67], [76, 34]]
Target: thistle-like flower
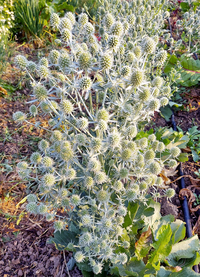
[[19, 117], [137, 78], [21, 61]]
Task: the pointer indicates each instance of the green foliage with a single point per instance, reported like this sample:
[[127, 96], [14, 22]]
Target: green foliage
[[28, 19], [194, 142], [6, 22], [47, 7], [190, 72], [161, 243], [166, 111], [62, 238], [185, 6], [188, 68], [90, 6]]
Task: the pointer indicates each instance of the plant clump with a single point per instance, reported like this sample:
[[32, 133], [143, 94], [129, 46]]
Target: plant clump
[[97, 95]]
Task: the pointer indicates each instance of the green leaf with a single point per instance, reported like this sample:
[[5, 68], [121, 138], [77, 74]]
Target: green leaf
[[135, 267], [73, 228], [172, 61], [87, 274], [192, 261], [155, 216], [168, 68], [190, 74], [182, 142], [166, 112], [195, 156], [65, 6], [185, 6], [178, 229], [132, 210], [183, 250], [142, 246], [131, 273], [84, 267], [61, 239], [118, 270], [183, 157], [185, 272], [162, 246], [171, 104], [163, 272], [124, 236], [164, 220]]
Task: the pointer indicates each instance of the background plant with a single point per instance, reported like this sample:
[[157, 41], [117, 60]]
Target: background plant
[[27, 17], [6, 22]]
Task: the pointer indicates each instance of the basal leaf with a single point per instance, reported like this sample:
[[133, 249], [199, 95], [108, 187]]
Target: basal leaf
[[84, 267], [185, 6], [192, 261], [162, 246], [164, 220], [150, 220], [163, 272], [178, 229], [183, 250], [183, 157], [61, 239], [142, 246], [185, 272], [135, 266], [166, 112]]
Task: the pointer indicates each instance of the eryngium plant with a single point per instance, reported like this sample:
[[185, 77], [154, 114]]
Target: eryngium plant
[[91, 164], [141, 17]]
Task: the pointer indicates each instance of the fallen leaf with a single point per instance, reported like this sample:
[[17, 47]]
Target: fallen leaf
[[196, 228], [167, 172], [3, 91]]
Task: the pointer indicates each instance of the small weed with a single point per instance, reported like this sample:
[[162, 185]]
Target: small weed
[[197, 199], [197, 173]]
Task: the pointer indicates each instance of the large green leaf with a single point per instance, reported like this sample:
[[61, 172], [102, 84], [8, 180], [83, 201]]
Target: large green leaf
[[166, 112], [162, 246], [178, 229], [186, 272], [185, 6], [142, 246], [190, 73], [134, 267], [61, 239], [183, 250], [164, 220], [150, 220], [183, 157], [163, 272], [171, 63], [84, 267], [192, 261], [132, 210]]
